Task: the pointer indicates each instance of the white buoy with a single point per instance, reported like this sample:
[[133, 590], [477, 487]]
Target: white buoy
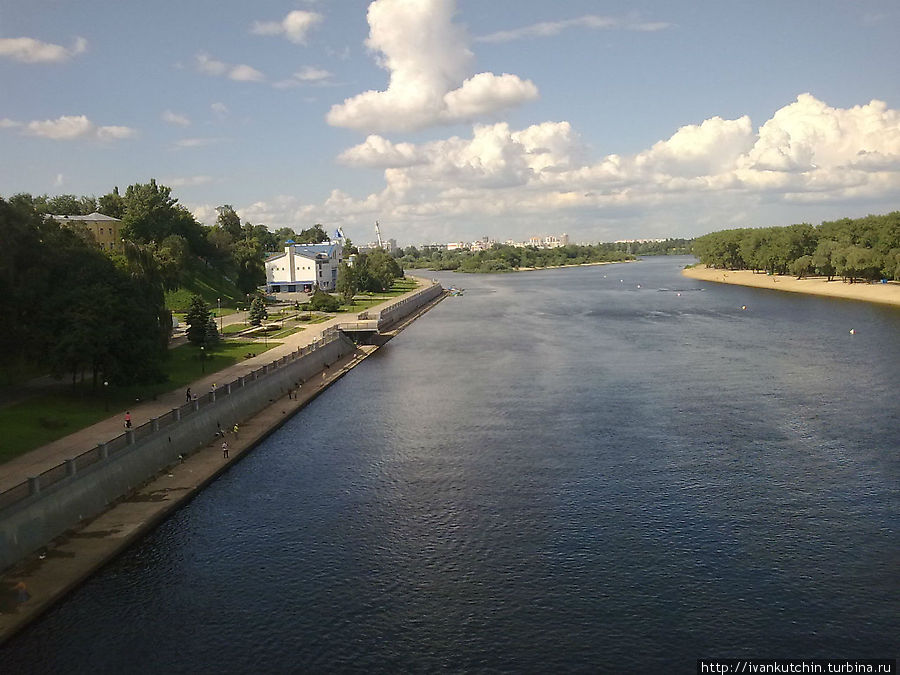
[[639, 285], [678, 294]]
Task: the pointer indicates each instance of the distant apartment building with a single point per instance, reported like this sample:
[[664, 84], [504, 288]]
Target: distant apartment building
[[302, 267], [106, 230]]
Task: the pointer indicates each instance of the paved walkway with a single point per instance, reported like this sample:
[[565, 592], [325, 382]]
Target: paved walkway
[[46, 457]]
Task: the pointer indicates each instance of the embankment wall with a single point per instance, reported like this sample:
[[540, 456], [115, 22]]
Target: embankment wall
[[33, 522]]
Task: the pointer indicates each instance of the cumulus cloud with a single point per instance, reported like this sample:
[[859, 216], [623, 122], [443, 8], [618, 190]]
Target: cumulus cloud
[[809, 134], [591, 21], [29, 50], [175, 119], [716, 173], [72, 127], [241, 72], [295, 26], [428, 60]]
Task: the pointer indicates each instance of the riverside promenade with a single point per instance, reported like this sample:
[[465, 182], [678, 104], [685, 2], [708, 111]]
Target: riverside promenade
[[36, 583], [46, 457]]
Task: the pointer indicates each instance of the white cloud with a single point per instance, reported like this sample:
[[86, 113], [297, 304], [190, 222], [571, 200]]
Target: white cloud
[[29, 50], [592, 21], [219, 109], [240, 72], [306, 75], [59, 180], [198, 142], [71, 127], [6, 123], [187, 181], [295, 26], [809, 134], [176, 119], [245, 73], [428, 60], [717, 173], [380, 152]]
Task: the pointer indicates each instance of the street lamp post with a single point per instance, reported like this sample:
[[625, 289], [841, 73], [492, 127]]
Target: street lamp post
[[219, 312], [106, 395], [202, 359]]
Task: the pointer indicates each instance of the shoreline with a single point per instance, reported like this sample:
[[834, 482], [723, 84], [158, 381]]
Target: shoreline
[[563, 267], [73, 558], [885, 294]]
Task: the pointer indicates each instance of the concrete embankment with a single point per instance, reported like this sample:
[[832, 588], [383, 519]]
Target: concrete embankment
[[37, 581]]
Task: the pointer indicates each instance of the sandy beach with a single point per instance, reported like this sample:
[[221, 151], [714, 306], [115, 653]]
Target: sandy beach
[[888, 294]]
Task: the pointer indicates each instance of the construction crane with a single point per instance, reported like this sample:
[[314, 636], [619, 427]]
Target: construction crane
[[378, 235]]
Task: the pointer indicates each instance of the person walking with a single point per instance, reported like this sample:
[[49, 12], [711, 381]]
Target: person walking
[[225, 449], [187, 395], [235, 430], [127, 420]]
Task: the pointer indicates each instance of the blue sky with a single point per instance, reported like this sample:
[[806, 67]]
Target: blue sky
[[451, 120]]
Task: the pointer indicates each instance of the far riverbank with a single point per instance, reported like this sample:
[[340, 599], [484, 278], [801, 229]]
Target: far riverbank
[[888, 294]]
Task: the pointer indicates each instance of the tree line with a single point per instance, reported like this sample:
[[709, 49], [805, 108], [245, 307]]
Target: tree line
[[74, 310], [506, 258], [854, 249], [89, 313], [153, 218]]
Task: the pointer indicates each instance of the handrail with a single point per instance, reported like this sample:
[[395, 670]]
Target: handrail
[[131, 437]]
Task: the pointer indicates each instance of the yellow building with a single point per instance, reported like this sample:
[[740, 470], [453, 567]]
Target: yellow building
[[105, 229]]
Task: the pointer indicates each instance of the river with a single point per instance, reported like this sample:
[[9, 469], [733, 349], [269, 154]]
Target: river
[[599, 468]]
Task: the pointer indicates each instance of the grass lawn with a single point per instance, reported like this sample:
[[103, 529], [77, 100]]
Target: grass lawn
[[42, 419], [315, 318], [235, 328], [284, 332]]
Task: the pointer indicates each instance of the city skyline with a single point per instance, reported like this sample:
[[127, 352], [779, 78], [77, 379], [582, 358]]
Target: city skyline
[[446, 120]]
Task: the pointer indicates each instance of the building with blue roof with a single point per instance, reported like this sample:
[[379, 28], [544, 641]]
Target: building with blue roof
[[302, 267]]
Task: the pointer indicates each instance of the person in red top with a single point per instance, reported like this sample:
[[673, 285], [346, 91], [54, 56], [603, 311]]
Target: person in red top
[[127, 420]]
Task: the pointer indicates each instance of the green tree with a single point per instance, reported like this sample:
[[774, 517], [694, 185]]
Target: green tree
[[313, 235], [211, 337], [323, 302], [258, 312], [112, 204], [346, 283], [197, 319], [228, 220], [247, 259]]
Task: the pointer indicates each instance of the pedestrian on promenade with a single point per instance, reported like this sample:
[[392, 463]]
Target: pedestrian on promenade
[[187, 395], [235, 430], [219, 431], [127, 420], [225, 449]]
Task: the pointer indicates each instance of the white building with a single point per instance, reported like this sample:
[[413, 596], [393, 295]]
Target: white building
[[303, 266]]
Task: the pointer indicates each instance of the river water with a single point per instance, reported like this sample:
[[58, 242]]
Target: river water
[[605, 468]]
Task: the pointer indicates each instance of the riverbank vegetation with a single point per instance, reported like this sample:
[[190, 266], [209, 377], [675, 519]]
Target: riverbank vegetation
[[504, 258], [866, 249], [57, 412]]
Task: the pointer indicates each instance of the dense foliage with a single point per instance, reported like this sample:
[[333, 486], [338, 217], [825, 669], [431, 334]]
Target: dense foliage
[[505, 258], [863, 248], [372, 272], [73, 309], [322, 302]]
